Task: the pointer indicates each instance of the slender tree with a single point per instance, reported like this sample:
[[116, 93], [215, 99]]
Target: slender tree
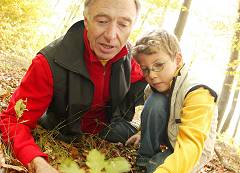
[[182, 19], [165, 8], [74, 10], [229, 78], [236, 126], [231, 112]]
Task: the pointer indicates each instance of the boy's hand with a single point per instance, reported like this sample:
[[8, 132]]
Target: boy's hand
[[40, 165], [135, 139]]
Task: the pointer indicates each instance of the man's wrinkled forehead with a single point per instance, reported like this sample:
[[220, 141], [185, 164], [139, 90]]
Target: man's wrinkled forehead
[[112, 9], [88, 3]]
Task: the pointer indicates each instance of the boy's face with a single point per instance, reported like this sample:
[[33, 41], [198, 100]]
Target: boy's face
[[159, 69]]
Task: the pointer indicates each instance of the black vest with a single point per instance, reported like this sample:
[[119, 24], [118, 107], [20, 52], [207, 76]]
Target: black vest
[[73, 90]]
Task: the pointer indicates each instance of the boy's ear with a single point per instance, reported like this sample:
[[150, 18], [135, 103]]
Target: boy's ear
[[179, 59]]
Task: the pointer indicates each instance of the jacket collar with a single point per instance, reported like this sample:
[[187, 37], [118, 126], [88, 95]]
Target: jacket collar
[[74, 44], [70, 54]]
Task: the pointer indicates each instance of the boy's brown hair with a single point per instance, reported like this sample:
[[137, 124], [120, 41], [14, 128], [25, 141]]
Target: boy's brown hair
[[155, 41]]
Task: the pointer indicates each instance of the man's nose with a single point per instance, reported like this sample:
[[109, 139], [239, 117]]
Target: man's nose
[[111, 32]]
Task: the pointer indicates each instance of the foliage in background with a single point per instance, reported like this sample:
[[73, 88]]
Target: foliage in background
[[23, 32], [152, 15], [19, 26]]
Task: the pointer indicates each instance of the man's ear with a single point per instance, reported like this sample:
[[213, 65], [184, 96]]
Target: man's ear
[[179, 59], [85, 21]]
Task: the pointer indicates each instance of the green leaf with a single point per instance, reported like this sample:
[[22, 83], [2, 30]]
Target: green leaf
[[95, 161], [20, 107], [69, 166], [117, 165]]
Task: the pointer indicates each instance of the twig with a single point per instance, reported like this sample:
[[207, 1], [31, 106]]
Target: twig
[[2, 159], [228, 167], [4, 166], [17, 168]]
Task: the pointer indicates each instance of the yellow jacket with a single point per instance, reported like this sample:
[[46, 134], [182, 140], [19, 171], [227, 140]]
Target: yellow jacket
[[192, 124]]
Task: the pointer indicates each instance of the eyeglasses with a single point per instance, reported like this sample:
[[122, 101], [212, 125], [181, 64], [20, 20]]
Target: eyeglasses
[[156, 67]]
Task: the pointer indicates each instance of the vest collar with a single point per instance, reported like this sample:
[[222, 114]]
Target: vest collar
[[181, 73], [73, 44]]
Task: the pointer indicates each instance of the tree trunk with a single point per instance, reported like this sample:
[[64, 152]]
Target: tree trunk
[[236, 127], [182, 19], [145, 18], [229, 78], [68, 19], [230, 114], [165, 8], [57, 2]]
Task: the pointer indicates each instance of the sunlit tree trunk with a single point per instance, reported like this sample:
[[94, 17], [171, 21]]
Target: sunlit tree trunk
[[145, 17], [74, 11], [236, 127], [74, 8], [57, 2], [182, 19], [230, 114], [229, 78], [163, 15]]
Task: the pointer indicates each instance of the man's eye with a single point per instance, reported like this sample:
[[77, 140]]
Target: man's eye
[[123, 25], [102, 21]]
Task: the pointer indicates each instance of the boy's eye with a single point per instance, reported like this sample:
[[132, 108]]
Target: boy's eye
[[144, 69], [158, 65]]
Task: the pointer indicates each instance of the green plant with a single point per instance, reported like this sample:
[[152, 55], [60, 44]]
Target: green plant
[[97, 163], [20, 107], [69, 166]]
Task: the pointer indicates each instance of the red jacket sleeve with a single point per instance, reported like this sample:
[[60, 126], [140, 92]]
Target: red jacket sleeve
[[136, 72], [37, 87]]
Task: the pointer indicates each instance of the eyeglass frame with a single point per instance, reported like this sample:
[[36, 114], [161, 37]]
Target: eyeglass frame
[[152, 68]]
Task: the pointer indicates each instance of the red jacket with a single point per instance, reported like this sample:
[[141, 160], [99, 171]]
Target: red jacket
[[37, 87]]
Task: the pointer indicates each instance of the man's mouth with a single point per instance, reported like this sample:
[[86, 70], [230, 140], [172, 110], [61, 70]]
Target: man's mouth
[[107, 46]]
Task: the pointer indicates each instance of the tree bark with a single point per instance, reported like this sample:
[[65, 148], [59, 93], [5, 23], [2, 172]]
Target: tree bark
[[236, 127], [145, 18], [182, 19], [165, 8], [229, 78], [230, 114], [68, 19]]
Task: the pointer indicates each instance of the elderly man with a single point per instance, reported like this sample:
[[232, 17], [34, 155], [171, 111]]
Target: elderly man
[[84, 82]]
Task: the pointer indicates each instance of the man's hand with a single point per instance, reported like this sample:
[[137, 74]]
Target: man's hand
[[40, 165], [135, 139]]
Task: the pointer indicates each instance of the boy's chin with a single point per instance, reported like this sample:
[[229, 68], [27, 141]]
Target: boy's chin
[[161, 89]]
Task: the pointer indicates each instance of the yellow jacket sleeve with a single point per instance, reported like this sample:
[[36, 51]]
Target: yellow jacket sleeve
[[196, 116]]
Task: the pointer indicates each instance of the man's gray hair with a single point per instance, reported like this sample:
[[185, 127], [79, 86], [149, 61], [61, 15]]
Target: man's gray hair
[[88, 2]]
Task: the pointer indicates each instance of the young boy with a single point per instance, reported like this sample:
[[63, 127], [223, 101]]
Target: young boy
[[178, 121]]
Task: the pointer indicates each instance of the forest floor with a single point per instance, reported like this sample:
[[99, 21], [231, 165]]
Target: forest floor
[[226, 158]]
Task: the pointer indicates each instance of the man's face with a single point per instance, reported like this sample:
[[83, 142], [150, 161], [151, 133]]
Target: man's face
[[109, 23]]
